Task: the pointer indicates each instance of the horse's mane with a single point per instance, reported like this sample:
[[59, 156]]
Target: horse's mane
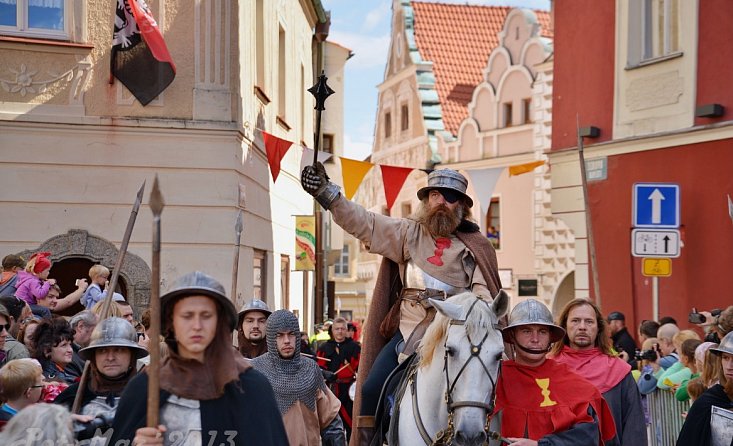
[[481, 319]]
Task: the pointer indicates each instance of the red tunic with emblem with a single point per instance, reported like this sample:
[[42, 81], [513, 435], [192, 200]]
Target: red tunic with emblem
[[547, 399]]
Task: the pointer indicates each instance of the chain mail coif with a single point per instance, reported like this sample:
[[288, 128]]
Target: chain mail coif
[[295, 379]]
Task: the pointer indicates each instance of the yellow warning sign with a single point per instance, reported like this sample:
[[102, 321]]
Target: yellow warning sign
[[656, 267]]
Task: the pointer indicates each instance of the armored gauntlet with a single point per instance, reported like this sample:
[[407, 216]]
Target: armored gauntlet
[[315, 181]]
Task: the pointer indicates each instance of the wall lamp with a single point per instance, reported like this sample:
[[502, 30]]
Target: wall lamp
[[709, 111]]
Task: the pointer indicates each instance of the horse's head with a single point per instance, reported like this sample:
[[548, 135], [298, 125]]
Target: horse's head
[[466, 338]]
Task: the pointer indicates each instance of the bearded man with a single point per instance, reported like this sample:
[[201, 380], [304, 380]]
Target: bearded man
[[435, 254], [251, 328], [587, 349], [309, 409]]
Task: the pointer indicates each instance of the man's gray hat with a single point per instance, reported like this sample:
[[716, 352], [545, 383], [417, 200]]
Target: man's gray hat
[[446, 179], [255, 305], [113, 332], [198, 283], [725, 346], [532, 312]]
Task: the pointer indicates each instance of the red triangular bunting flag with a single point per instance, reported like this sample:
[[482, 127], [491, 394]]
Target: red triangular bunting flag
[[276, 149], [393, 179]]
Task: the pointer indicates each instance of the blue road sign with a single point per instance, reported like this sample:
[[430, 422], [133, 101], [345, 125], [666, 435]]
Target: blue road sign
[[656, 205]]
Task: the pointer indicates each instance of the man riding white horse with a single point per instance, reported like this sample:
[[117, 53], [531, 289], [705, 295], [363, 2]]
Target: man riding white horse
[[437, 253]]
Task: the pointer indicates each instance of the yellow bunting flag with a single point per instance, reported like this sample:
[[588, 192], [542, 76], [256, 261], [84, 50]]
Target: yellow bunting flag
[[305, 242], [524, 168], [353, 172]]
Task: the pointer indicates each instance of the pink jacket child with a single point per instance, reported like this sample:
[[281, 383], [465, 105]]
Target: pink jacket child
[[32, 284]]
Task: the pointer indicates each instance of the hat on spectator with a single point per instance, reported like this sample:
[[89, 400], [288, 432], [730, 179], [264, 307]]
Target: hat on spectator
[[616, 316]]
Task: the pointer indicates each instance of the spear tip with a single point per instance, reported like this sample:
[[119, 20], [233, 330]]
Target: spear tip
[[156, 198]]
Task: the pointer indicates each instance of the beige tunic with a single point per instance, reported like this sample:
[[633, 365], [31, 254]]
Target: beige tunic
[[403, 240], [304, 426]]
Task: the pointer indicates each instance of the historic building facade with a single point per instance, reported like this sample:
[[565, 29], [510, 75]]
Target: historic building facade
[[649, 84], [76, 148]]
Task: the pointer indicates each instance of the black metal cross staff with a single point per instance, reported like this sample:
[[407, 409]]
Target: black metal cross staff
[[321, 91]]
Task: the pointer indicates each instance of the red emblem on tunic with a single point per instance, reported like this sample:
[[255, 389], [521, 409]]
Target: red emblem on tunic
[[440, 244]]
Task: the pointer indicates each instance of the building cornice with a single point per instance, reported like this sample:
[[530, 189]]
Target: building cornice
[[500, 161], [682, 137]]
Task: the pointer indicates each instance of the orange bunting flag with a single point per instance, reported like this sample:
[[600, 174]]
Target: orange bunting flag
[[353, 173], [393, 179], [276, 149], [524, 168]]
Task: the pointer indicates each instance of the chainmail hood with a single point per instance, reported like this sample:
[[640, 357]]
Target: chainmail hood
[[294, 379]]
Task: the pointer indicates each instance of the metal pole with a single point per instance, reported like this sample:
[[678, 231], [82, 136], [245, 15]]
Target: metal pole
[[588, 221], [235, 263], [655, 298]]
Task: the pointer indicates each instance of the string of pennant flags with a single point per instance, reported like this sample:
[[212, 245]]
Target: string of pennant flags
[[393, 177]]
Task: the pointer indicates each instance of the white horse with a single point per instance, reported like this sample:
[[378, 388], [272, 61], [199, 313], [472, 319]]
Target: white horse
[[451, 393]]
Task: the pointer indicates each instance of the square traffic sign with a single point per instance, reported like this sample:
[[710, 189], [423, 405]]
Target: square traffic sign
[[655, 243], [656, 205]]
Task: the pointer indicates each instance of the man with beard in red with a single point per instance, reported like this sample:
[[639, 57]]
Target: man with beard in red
[[436, 253]]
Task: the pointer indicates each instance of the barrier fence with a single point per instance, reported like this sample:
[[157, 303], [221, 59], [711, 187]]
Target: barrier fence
[[665, 415]]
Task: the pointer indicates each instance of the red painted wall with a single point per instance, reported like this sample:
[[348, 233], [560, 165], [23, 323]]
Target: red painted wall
[[584, 51], [702, 275], [715, 58]]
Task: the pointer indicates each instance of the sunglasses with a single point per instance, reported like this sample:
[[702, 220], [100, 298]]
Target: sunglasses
[[36, 386], [4, 327]]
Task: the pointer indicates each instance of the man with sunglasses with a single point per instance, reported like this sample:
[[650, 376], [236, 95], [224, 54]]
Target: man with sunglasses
[[17, 311], [4, 333], [436, 253]]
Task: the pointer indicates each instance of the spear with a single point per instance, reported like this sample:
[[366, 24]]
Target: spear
[[107, 308], [156, 205], [235, 265], [321, 91]]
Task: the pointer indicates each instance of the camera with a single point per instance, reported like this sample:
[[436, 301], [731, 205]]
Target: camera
[[84, 431], [697, 318], [647, 355]]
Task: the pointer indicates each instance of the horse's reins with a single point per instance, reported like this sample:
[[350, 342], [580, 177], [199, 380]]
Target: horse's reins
[[445, 436]]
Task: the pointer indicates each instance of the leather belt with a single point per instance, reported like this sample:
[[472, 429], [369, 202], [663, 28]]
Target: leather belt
[[421, 296]]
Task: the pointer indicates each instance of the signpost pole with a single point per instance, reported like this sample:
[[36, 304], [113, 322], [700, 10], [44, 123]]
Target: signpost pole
[[655, 298]]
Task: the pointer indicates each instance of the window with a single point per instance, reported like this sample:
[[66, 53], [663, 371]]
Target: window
[[341, 268], [387, 124], [285, 280], [260, 43], [493, 223], [506, 114], [327, 143], [281, 75], [654, 28], [404, 117], [35, 18], [259, 270], [526, 111], [406, 209]]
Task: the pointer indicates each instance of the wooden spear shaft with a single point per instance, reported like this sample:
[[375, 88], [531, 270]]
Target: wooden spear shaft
[[156, 205], [107, 308]]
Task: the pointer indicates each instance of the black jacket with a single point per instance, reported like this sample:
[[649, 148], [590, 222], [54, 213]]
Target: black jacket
[[623, 339], [247, 407], [696, 429]]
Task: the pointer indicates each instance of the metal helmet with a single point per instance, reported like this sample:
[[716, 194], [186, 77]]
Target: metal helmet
[[725, 346], [254, 305], [113, 332], [198, 283], [532, 312]]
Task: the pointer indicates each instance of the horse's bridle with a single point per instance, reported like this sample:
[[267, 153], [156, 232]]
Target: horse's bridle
[[445, 436]]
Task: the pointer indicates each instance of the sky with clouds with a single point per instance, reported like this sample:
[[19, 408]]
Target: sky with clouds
[[364, 27]]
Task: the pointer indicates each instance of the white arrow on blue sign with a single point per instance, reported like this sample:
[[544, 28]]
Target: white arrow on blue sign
[[656, 205]]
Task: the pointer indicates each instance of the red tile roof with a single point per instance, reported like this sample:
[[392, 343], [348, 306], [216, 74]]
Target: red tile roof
[[458, 40]]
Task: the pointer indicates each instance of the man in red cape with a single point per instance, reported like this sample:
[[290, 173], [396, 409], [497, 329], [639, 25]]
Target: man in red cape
[[539, 400]]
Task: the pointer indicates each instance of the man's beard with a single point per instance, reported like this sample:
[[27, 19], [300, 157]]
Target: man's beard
[[441, 221]]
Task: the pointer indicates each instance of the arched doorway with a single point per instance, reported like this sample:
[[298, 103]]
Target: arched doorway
[[76, 251], [68, 270], [565, 293]]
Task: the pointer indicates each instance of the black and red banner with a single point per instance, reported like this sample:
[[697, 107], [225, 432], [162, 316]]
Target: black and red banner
[[140, 57]]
